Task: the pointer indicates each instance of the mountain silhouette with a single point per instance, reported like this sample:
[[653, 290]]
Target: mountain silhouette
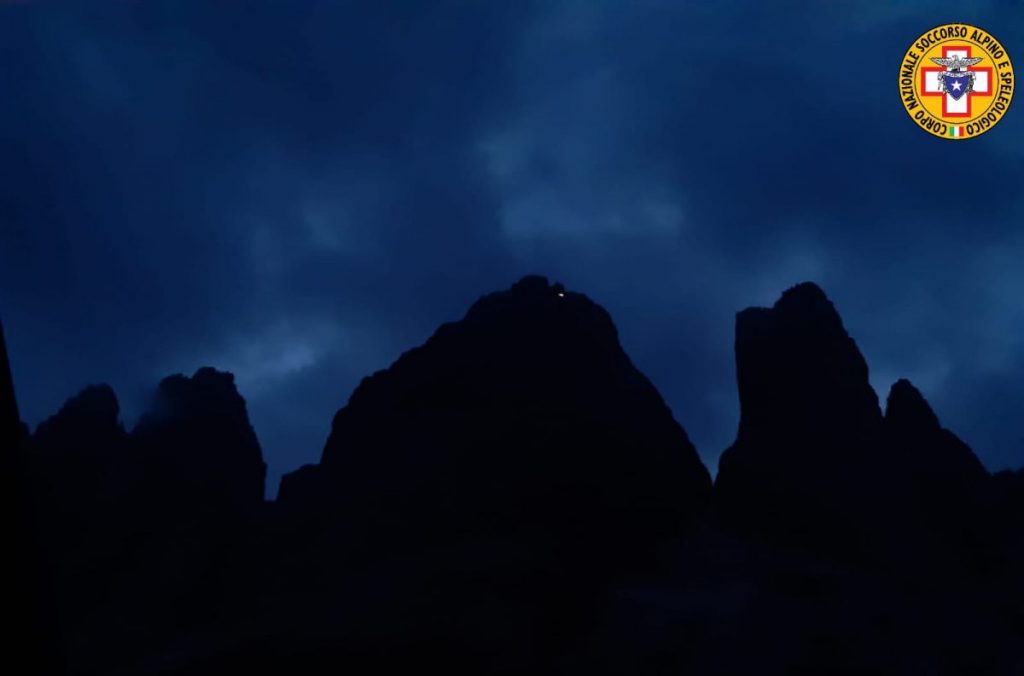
[[514, 496], [914, 429], [141, 530], [525, 417], [202, 422], [810, 429], [518, 446], [812, 442], [942, 486]]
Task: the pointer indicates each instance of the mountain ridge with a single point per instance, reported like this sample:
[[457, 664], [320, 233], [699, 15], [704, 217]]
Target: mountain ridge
[[498, 498]]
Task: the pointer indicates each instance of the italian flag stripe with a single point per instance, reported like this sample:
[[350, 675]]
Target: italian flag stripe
[[956, 132]]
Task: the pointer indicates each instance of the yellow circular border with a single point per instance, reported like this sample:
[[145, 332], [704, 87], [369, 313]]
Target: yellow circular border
[[936, 126]]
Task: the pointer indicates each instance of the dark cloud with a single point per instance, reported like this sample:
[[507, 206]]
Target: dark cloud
[[686, 162], [298, 191]]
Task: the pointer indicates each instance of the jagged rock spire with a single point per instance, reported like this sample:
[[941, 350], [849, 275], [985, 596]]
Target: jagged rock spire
[[810, 424], [199, 442]]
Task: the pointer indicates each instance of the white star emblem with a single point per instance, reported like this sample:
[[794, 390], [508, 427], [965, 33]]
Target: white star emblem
[[956, 85]]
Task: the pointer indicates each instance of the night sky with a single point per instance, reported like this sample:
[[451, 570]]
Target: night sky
[[300, 191]]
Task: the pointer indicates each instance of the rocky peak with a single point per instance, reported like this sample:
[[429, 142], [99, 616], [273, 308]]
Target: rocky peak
[[810, 423], [92, 411], [526, 416], [209, 395], [920, 448], [800, 374], [81, 450], [197, 437], [538, 304], [907, 410]]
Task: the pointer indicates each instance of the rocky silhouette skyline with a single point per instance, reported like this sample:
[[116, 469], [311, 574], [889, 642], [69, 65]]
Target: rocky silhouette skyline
[[514, 496]]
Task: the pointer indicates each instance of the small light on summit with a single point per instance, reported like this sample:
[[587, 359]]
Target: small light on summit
[[561, 294]]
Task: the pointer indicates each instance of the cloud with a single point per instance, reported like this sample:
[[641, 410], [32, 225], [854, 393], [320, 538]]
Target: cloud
[[182, 180], [773, 132], [301, 191]]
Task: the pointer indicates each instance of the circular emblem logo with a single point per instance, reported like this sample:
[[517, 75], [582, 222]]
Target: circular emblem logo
[[956, 81]]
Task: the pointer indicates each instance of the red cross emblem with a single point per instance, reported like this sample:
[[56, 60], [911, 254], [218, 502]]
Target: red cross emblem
[[957, 107]]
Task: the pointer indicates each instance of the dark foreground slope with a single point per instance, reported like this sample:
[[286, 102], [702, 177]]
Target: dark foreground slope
[[28, 608], [514, 497]]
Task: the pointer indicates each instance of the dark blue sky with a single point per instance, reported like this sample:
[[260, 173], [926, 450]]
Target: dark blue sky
[[300, 191]]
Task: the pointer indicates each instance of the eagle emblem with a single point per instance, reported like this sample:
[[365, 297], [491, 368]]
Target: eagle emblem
[[957, 80]]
